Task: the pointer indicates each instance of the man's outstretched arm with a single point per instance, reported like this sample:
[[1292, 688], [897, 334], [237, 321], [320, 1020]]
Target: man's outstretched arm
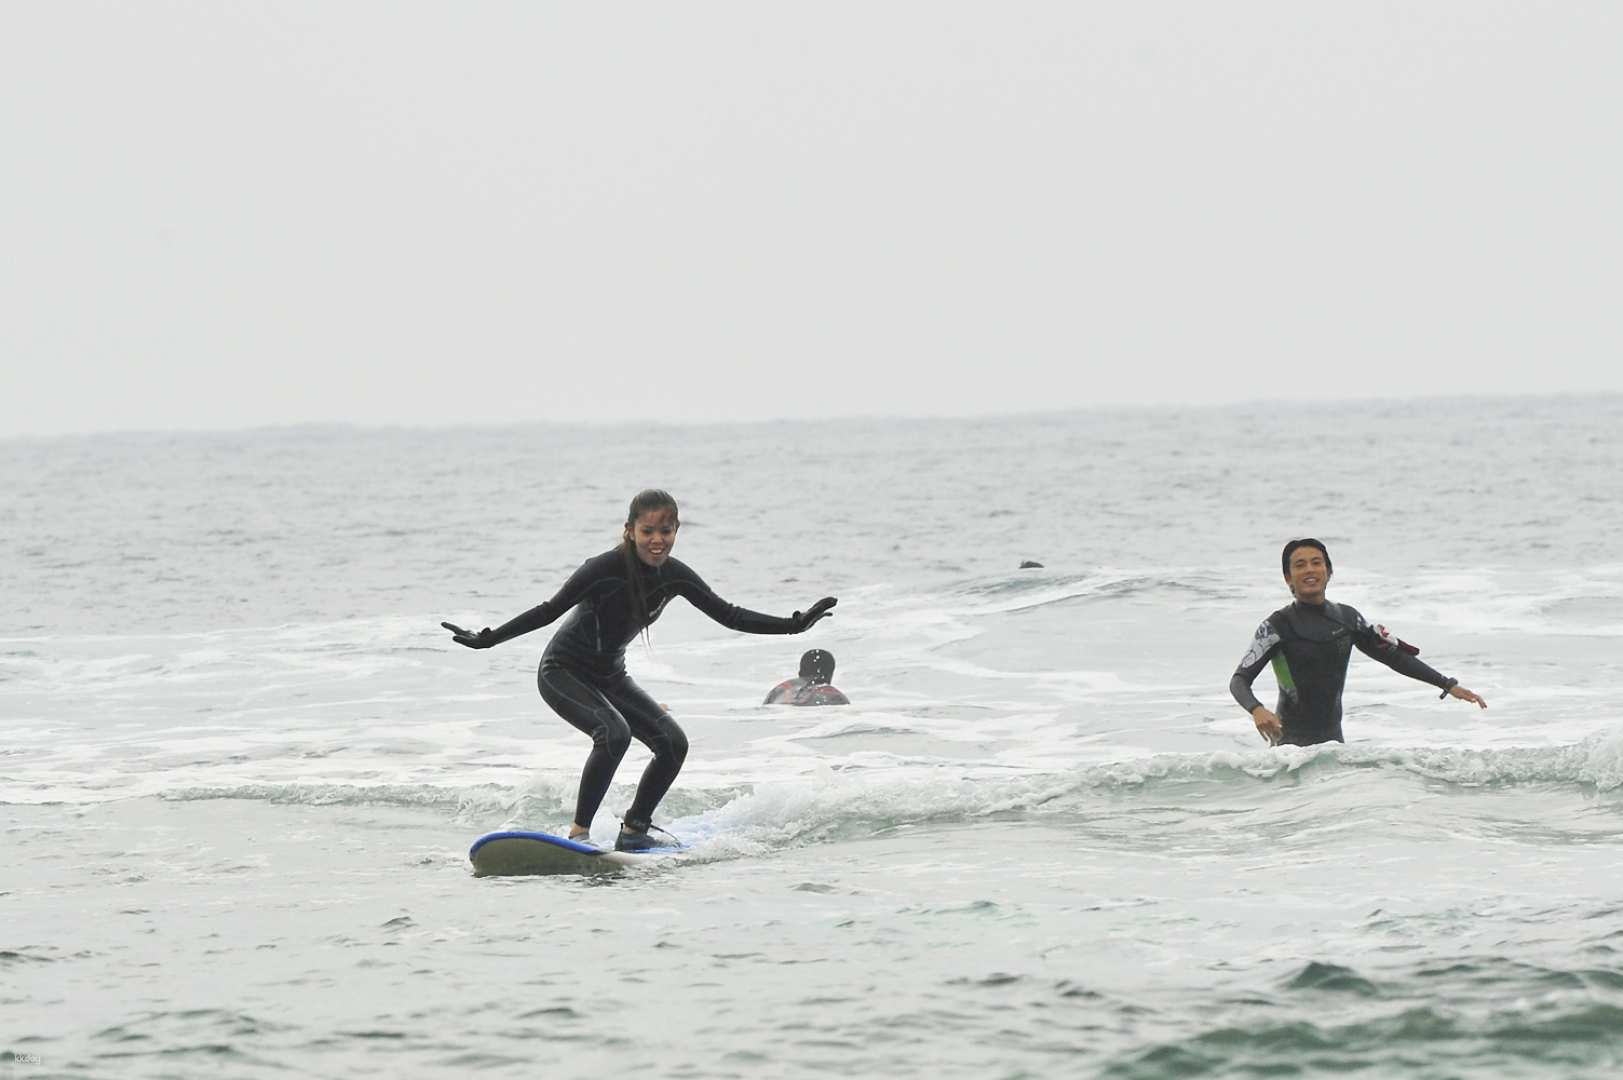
[[1378, 644]]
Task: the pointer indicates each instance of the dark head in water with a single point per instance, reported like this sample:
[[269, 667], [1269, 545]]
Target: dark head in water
[[817, 665], [1307, 569]]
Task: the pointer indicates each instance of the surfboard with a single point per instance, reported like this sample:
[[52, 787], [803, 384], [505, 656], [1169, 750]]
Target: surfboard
[[507, 853]]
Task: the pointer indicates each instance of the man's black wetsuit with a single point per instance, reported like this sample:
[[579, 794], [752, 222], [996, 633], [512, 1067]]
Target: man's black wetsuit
[[1309, 645], [583, 670]]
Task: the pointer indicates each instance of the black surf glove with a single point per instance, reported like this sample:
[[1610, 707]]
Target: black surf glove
[[484, 639], [805, 620]]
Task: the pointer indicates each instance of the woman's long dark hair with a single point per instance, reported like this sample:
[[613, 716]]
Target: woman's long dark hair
[[652, 499]]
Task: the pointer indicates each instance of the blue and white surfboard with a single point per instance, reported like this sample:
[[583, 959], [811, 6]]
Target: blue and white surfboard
[[503, 853]]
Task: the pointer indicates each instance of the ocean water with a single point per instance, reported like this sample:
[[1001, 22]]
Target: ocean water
[[241, 765]]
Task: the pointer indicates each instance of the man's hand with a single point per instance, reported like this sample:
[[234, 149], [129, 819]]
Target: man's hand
[[481, 640], [1268, 725], [1466, 695]]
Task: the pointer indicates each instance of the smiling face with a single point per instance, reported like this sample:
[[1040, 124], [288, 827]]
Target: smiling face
[[1307, 574], [654, 534]]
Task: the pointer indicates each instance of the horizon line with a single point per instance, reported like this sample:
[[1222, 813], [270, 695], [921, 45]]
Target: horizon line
[[1127, 407]]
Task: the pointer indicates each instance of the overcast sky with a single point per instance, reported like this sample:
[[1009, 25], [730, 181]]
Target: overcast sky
[[215, 215]]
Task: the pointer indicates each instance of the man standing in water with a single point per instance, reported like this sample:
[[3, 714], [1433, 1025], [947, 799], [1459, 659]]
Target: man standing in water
[[1309, 643]]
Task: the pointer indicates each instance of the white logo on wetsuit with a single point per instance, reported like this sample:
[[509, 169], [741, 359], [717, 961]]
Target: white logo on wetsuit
[[1264, 640], [1392, 641]]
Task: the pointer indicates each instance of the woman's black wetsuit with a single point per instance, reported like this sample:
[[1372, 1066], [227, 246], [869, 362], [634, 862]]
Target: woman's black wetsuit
[[1309, 645], [583, 671]]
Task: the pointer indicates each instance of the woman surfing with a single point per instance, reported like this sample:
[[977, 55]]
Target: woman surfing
[[610, 600]]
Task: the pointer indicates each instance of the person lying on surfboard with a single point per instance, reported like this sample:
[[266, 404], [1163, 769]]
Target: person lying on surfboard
[[1309, 643], [610, 600]]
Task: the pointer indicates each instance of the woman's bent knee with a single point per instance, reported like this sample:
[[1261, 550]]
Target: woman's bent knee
[[676, 743], [612, 734]]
